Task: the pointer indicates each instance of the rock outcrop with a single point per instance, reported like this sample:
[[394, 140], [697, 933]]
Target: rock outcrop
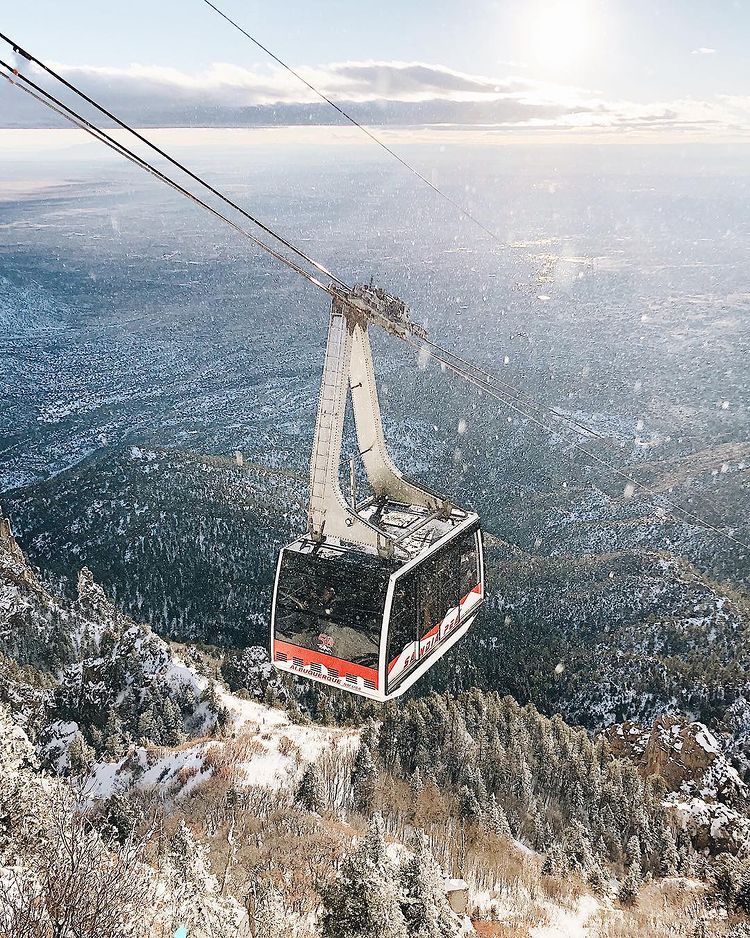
[[685, 754], [707, 795], [13, 563]]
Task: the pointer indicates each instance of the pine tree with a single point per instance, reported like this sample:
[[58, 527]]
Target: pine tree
[[172, 719], [424, 903], [364, 779], [124, 814], [194, 893], [363, 901], [310, 794], [554, 863], [146, 729], [113, 741], [598, 881], [188, 860], [468, 805], [540, 838], [633, 853], [496, 819], [80, 756], [627, 894], [577, 849], [210, 697], [97, 740], [668, 859]]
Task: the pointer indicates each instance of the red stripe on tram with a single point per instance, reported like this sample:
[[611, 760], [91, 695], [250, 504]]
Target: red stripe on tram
[[308, 657], [476, 589]]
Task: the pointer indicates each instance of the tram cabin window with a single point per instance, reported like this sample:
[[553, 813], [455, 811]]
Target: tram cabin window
[[332, 606]]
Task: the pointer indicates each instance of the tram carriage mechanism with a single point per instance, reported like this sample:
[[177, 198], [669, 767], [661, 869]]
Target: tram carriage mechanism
[[377, 590]]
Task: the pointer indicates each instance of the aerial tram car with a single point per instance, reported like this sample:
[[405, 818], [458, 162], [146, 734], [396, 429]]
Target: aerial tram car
[[376, 590]]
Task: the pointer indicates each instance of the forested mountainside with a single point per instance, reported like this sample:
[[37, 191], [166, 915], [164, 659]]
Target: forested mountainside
[[234, 814], [603, 638], [194, 556], [594, 619]]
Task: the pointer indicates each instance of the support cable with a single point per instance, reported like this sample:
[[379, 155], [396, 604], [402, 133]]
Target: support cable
[[181, 166], [381, 143]]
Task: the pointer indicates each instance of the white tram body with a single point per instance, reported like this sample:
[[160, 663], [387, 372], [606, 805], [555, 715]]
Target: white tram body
[[373, 625], [376, 590]]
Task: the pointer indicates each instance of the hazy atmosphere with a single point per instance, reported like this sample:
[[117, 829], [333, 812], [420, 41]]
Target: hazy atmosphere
[[507, 697]]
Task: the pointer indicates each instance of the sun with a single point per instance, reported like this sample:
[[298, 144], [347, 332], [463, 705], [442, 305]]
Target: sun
[[558, 33]]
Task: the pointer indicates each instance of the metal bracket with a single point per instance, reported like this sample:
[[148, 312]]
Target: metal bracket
[[348, 368]]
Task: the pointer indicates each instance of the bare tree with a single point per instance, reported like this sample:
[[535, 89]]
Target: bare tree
[[76, 884], [22, 914]]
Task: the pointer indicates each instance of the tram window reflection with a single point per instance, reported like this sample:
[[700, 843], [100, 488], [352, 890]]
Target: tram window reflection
[[332, 608]]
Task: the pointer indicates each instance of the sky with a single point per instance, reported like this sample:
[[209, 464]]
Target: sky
[[625, 66]]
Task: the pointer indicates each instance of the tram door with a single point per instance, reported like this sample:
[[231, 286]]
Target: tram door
[[430, 602], [425, 601]]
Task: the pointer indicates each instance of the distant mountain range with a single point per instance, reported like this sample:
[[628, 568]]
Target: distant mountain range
[[20, 113]]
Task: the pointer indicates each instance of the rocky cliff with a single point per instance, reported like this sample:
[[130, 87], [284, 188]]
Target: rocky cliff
[[703, 789]]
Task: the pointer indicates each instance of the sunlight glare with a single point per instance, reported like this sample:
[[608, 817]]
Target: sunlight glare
[[558, 32]]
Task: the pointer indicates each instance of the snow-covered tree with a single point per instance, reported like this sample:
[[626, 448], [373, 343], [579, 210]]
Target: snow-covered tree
[[633, 852], [113, 741], [424, 904], [69, 880], [627, 894], [124, 813], [496, 819], [194, 892], [554, 862], [364, 779], [80, 755], [364, 899], [310, 793], [251, 670], [146, 726], [468, 804], [669, 859], [577, 850]]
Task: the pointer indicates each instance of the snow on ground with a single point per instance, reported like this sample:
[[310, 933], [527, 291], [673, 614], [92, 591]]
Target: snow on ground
[[146, 769], [707, 741], [275, 725], [262, 744], [568, 923], [178, 673]]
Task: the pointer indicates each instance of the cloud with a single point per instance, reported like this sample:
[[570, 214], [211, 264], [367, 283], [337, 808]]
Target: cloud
[[380, 93], [237, 86], [418, 81], [703, 50]]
